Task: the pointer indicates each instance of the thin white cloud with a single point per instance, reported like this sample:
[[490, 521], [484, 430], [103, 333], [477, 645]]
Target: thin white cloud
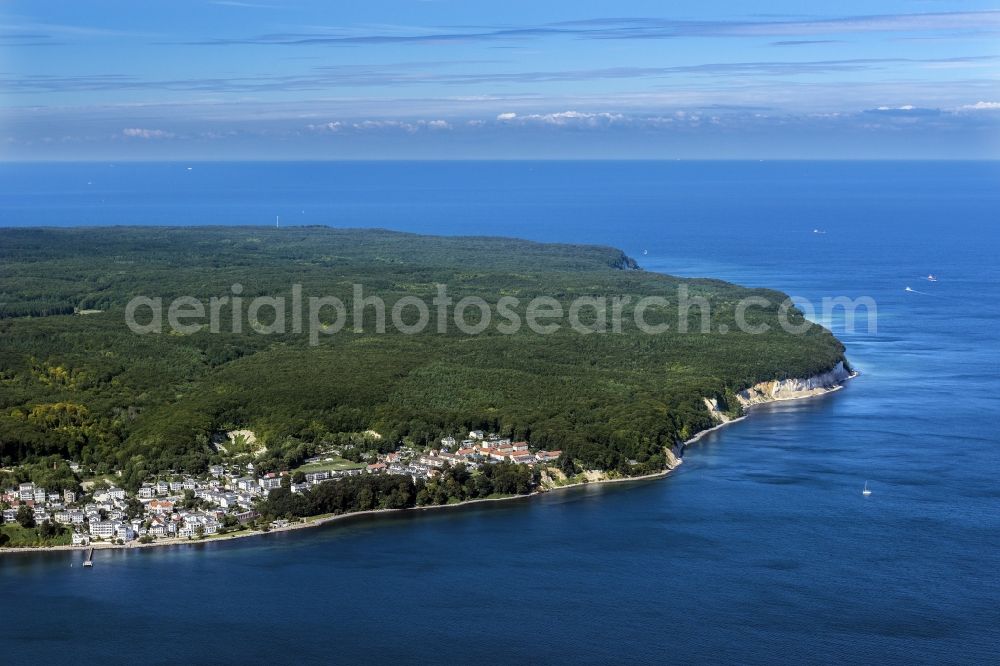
[[934, 22], [141, 133], [65, 31], [904, 111], [333, 126], [981, 106], [635, 28], [565, 118], [380, 124]]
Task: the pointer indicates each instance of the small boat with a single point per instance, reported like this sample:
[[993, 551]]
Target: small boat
[[931, 278], [866, 492]]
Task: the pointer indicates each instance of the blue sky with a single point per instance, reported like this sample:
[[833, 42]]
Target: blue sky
[[453, 79]]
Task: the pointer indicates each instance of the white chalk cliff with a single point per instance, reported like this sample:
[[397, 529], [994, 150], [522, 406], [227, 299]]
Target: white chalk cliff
[[792, 389], [786, 389]]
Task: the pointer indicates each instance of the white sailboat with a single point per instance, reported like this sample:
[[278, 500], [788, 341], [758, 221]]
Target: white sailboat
[[866, 492]]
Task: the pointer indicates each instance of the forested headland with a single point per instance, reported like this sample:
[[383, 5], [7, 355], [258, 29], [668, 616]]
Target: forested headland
[[76, 383]]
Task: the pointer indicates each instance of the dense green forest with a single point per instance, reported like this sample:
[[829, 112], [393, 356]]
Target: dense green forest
[[81, 385], [389, 491]]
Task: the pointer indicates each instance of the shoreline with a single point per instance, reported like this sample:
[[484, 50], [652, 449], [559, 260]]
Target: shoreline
[[317, 521]]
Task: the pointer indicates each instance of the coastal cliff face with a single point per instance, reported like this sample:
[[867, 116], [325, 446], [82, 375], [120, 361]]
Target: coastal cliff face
[[772, 391], [792, 389], [786, 389], [674, 455]]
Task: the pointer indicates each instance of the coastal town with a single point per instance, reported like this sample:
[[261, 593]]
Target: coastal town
[[227, 497]]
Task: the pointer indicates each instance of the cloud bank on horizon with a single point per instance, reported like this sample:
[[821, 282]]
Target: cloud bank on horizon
[[228, 79]]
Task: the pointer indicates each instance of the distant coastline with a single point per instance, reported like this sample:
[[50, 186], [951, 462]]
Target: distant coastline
[[763, 393]]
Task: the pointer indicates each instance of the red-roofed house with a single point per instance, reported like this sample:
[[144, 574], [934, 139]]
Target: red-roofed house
[[159, 507]]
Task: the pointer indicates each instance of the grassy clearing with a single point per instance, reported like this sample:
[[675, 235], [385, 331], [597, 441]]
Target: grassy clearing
[[335, 464]]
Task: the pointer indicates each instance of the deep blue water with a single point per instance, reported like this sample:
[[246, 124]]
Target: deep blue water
[[759, 549]]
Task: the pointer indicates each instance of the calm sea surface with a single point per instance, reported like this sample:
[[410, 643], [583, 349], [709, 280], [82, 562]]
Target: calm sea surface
[[759, 549]]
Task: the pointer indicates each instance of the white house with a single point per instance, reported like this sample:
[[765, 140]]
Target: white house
[[316, 477], [432, 461], [105, 529], [270, 483], [158, 526], [247, 484]]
